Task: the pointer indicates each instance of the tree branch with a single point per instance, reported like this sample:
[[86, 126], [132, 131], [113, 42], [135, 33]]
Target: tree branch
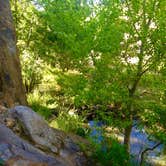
[[130, 12], [146, 150]]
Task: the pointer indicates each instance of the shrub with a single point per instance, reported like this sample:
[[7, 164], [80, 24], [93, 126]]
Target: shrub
[[113, 154], [39, 104], [69, 123]]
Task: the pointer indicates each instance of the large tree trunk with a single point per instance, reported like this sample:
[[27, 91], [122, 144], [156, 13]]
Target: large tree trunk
[[11, 87]]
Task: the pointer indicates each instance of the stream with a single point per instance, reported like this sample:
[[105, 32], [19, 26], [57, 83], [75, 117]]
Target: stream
[[139, 141]]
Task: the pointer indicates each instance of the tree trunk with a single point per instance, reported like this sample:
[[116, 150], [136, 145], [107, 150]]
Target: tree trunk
[[11, 87], [127, 137]]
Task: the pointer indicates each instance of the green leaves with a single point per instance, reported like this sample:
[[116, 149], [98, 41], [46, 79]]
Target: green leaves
[[105, 53]]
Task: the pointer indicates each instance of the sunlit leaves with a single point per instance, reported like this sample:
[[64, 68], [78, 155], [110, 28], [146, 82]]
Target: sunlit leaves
[[107, 52]]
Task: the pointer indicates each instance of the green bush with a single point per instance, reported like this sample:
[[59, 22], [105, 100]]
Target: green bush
[[69, 123], [42, 110], [32, 71], [113, 154], [39, 104]]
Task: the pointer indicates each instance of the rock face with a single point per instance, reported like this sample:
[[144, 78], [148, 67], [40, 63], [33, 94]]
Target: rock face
[[43, 144]]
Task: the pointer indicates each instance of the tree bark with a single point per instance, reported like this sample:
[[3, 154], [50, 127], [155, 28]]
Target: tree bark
[[11, 86], [127, 137]]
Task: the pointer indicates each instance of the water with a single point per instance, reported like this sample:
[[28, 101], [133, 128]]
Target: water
[[96, 133], [139, 141]]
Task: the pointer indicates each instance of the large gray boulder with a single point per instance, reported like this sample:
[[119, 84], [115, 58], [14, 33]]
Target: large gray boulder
[[53, 142], [37, 129], [11, 145]]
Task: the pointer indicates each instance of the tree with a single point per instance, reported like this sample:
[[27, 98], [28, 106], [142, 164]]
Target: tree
[[130, 40], [11, 87], [125, 44], [109, 56]]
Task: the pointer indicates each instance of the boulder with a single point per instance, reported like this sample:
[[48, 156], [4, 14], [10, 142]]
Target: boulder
[[37, 129], [52, 142], [19, 161], [11, 145]]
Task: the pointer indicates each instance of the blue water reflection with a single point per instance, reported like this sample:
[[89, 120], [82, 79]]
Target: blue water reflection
[[96, 133], [139, 141]]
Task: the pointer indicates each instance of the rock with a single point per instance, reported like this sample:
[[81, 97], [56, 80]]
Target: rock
[[20, 161], [52, 141], [37, 128], [2, 109], [10, 122], [11, 145]]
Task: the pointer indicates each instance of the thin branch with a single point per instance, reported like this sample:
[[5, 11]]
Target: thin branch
[[148, 149], [144, 71], [125, 56], [130, 12], [153, 9]]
